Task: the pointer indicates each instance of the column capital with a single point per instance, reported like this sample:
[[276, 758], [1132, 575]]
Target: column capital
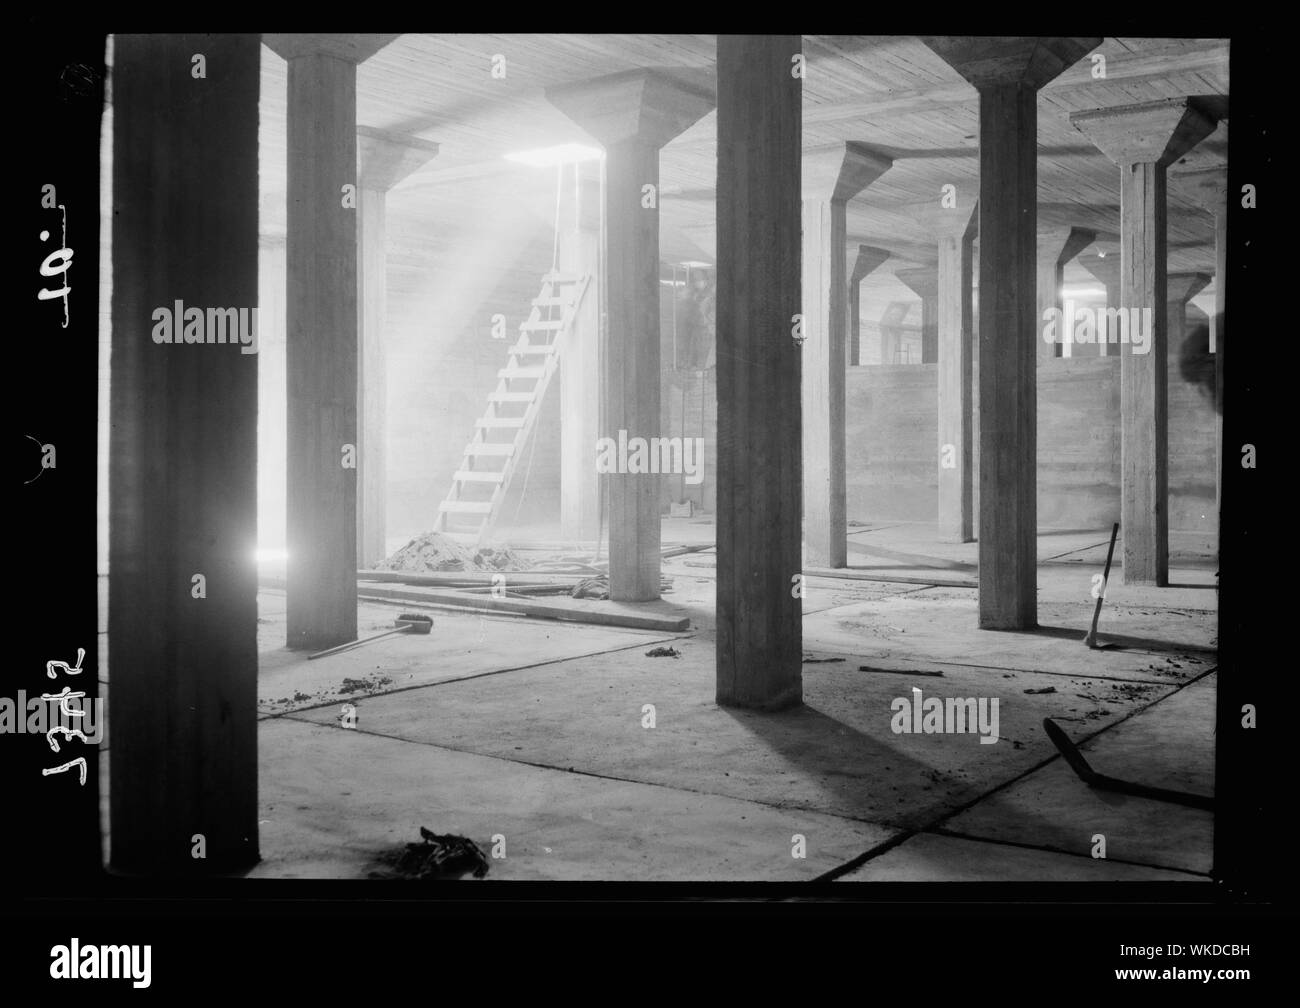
[[353, 48], [923, 281], [1104, 268], [1206, 187], [650, 105], [960, 221], [1058, 244], [384, 158], [1158, 132], [840, 171], [1182, 287], [990, 62], [868, 260]]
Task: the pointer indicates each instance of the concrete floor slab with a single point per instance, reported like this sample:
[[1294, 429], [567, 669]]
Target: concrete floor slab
[[1169, 744], [332, 799], [460, 645], [837, 754], [931, 624], [930, 858]]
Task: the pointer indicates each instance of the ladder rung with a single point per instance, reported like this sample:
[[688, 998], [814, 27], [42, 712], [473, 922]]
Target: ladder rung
[[550, 325], [512, 422], [465, 507], [478, 476], [488, 448], [565, 278], [528, 372], [512, 397], [519, 349], [542, 302]]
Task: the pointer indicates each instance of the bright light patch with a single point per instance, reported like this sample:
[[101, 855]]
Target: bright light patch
[[542, 157], [266, 557], [1083, 292]]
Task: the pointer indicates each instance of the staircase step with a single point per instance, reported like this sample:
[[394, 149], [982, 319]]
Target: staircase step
[[529, 372], [466, 507], [551, 325], [520, 349], [487, 448], [542, 302], [478, 476], [513, 423], [561, 278], [524, 397]]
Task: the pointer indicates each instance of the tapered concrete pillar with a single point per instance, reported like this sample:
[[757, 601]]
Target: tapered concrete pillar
[[579, 374], [182, 622], [760, 637], [1143, 140], [924, 283], [868, 259], [1208, 188], [1179, 289], [956, 228], [633, 115], [831, 177], [1106, 269], [1057, 246], [383, 160], [321, 351], [1008, 73]]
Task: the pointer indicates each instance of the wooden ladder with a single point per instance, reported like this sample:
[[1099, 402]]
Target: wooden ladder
[[479, 486]]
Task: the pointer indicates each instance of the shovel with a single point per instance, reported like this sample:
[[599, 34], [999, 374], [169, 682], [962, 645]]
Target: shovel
[[406, 623]]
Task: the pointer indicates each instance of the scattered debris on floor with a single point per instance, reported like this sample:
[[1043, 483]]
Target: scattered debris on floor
[[436, 857], [436, 552], [357, 685], [663, 652], [1044, 689], [813, 660]]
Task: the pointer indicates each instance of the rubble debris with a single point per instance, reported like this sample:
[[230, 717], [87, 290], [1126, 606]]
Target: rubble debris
[[891, 671], [813, 660], [433, 551], [357, 685], [436, 857], [1045, 689], [663, 652]]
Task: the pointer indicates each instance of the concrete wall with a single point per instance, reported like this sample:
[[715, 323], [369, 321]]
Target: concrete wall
[[893, 430]]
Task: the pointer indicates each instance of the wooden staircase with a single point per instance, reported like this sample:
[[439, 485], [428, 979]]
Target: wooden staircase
[[479, 486]]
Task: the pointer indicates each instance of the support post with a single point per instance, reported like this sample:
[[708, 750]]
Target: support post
[[1143, 140], [182, 622], [760, 634], [632, 115], [831, 177], [1008, 72]]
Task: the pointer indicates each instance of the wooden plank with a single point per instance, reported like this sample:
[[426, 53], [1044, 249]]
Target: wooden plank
[[576, 610]]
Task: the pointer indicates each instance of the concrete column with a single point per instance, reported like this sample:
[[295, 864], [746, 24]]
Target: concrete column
[[869, 258], [633, 114], [956, 228], [321, 352], [831, 177], [1008, 72], [924, 283], [760, 636], [1056, 247], [1143, 140], [579, 372], [383, 160], [1179, 289], [1208, 188], [182, 622], [1106, 269]]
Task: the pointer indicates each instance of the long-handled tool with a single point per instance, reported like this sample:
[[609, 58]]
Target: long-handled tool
[[406, 623], [1095, 780], [1090, 638]]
